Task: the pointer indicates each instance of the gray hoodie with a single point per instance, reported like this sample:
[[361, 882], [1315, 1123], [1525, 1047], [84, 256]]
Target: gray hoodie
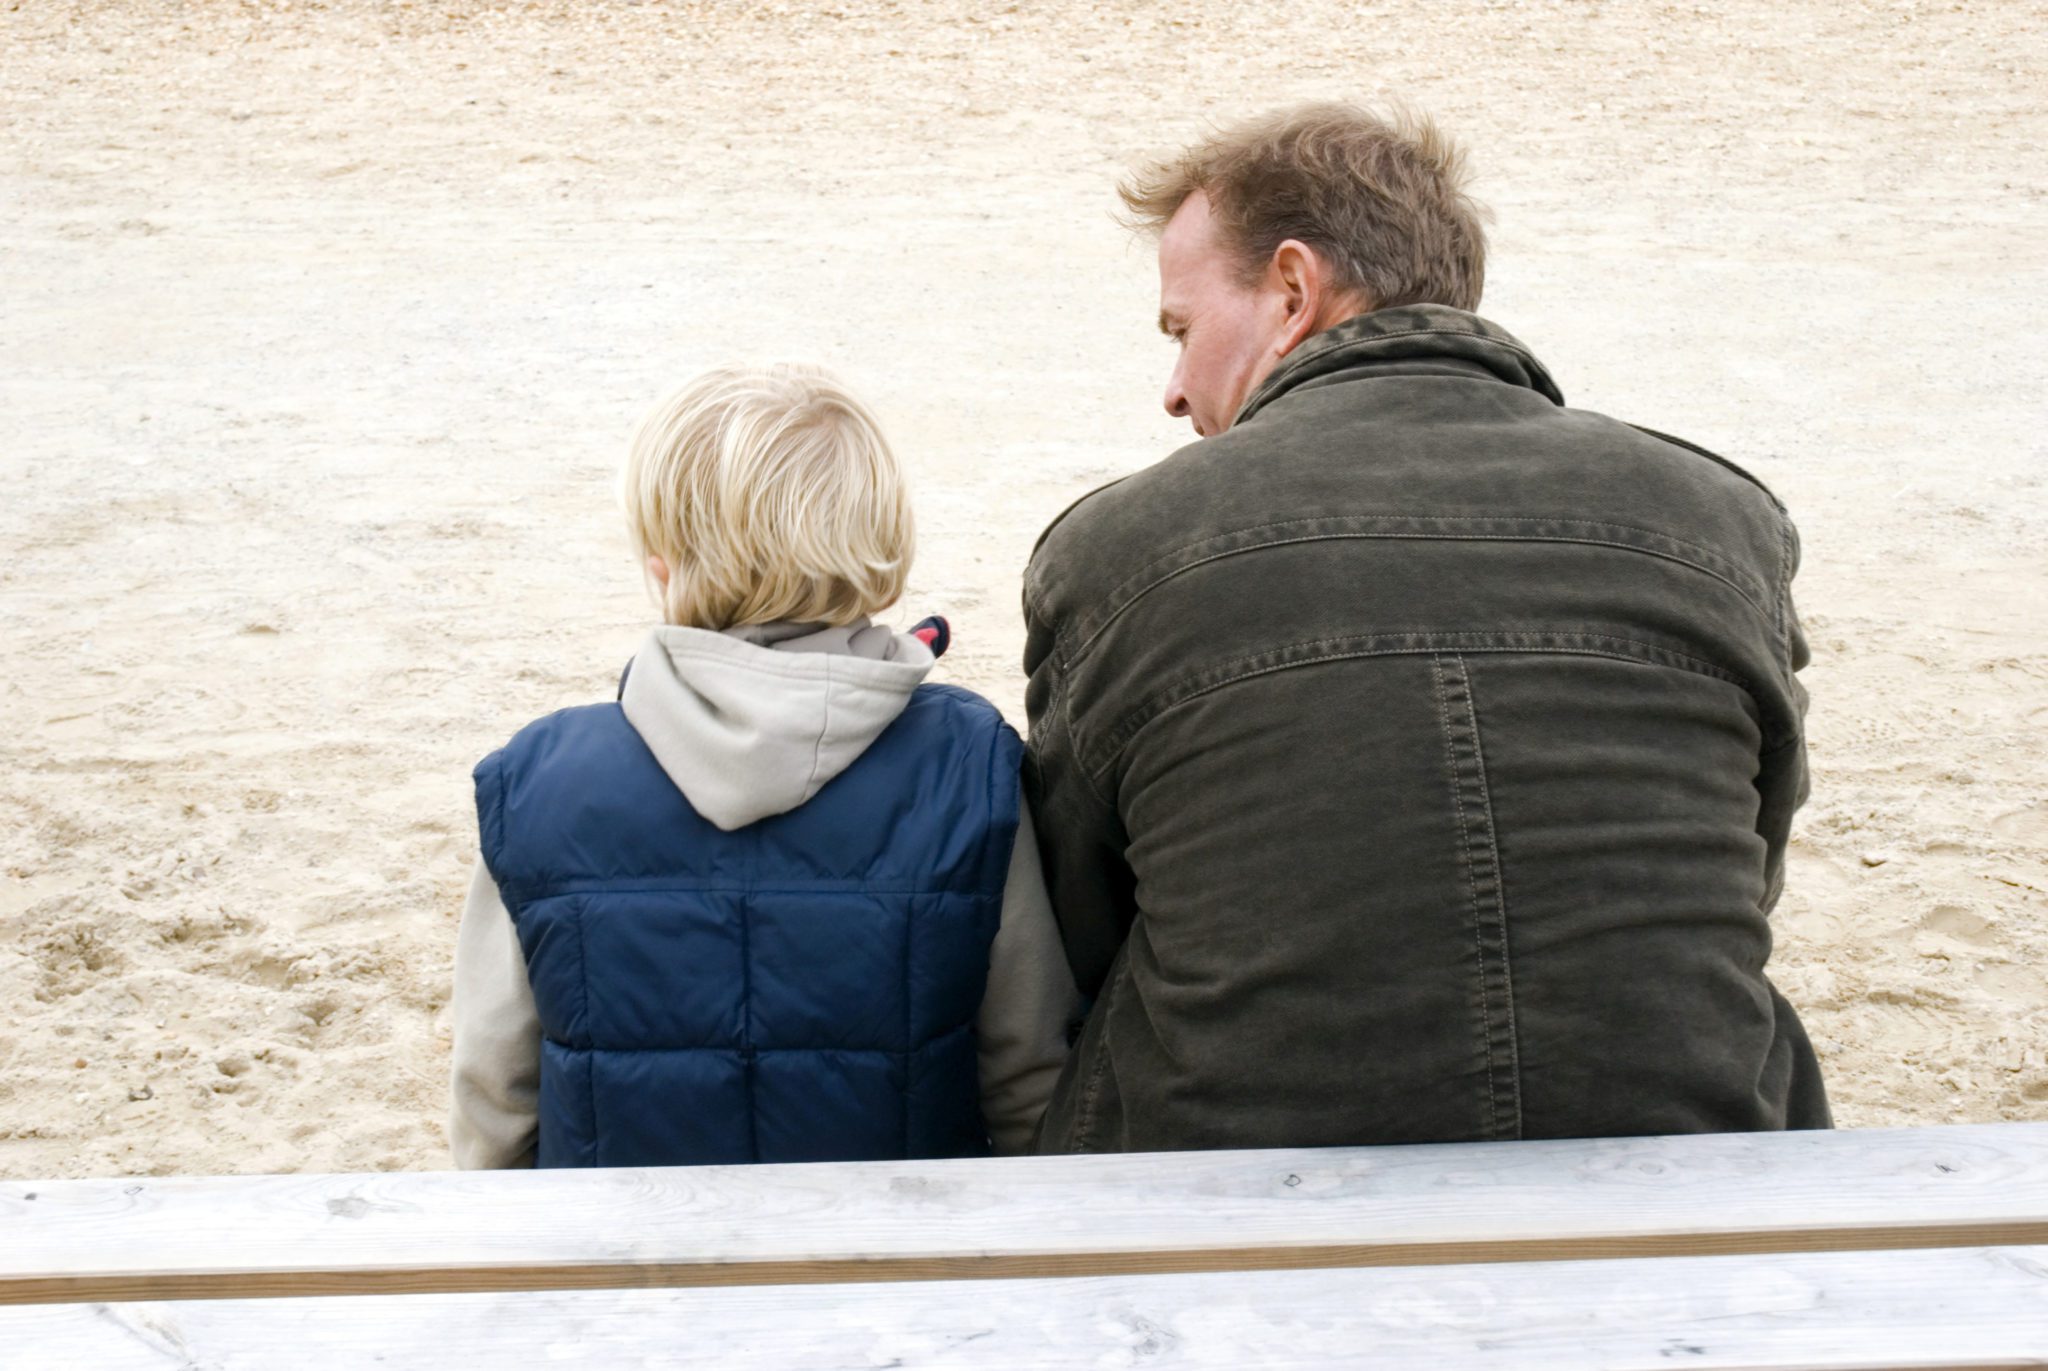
[[749, 723]]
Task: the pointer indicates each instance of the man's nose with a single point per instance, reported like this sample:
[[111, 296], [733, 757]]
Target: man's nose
[[1176, 398]]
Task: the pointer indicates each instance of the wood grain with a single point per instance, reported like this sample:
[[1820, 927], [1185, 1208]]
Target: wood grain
[[1949, 1308], [223, 1237]]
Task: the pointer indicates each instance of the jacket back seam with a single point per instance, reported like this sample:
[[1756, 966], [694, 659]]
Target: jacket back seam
[[1443, 713], [1467, 760]]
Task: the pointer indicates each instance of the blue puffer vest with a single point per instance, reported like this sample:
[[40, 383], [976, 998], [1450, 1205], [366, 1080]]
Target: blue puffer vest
[[801, 989]]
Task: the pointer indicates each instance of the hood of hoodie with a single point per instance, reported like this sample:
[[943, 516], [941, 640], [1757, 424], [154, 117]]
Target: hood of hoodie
[[754, 721]]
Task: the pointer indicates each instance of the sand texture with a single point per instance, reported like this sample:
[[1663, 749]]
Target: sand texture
[[322, 327]]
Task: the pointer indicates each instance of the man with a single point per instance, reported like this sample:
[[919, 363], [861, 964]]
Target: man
[[1413, 756]]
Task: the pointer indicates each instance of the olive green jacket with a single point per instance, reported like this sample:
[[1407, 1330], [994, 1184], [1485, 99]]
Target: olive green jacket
[[1414, 761]]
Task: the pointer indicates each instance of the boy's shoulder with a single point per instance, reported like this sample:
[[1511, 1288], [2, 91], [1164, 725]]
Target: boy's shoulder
[[937, 634], [578, 726], [967, 708], [933, 692]]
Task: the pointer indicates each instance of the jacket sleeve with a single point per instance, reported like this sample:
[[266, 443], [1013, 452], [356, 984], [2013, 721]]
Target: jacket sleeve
[[493, 1115], [1030, 1001], [1782, 781], [1092, 889]]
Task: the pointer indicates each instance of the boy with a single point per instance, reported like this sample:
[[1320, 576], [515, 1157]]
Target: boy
[[780, 902]]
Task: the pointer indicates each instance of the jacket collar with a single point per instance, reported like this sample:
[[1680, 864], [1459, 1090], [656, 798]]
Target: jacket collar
[[1405, 334]]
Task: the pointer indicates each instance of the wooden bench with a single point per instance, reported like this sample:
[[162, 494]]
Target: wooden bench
[[1894, 1248]]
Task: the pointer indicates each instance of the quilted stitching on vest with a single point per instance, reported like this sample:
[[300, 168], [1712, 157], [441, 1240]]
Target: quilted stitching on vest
[[800, 989]]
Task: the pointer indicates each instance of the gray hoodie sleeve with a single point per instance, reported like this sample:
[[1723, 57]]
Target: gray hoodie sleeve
[[494, 1099], [1030, 1000]]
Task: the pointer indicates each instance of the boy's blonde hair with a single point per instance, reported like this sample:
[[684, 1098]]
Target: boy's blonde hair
[[771, 494]]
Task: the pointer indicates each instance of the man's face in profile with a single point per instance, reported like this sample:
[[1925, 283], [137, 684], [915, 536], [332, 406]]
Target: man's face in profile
[[1225, 328]]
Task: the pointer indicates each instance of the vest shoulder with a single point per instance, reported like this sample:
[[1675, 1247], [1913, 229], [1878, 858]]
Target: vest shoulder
[[958, 701], [578, 725], [952, 719], [578, 719]]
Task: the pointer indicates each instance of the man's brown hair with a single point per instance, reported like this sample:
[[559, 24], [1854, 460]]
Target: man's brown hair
[[1380, 197]]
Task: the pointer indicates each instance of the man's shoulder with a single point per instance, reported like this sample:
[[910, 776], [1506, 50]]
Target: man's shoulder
[[1094, 502], [1399, 462], [1696, 450], [1688, 490], [1134, 518]]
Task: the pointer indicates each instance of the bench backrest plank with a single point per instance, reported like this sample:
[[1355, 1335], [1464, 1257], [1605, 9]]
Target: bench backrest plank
[[1951, 1308], [223, 1237]]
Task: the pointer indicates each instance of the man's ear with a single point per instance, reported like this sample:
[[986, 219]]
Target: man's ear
[[1303, 282], [1311, 302]]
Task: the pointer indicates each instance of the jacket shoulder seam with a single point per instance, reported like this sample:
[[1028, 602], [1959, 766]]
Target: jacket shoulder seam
[[1078, 501], [1482, 528], [1713, 457], [1103, 757]]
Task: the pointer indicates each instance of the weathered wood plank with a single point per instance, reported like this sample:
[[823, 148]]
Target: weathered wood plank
[[1984, 1185], [1949, 1308]]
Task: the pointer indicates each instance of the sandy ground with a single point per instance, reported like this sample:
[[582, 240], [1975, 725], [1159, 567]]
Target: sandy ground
[[321, 328]]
